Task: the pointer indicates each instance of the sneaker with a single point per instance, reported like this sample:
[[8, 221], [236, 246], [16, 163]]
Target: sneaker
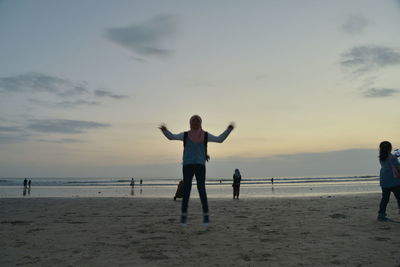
[[183, 220], [382, 217], [206, 219]]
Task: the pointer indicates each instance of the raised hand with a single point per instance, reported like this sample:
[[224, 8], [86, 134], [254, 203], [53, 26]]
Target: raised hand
[[163, 127]]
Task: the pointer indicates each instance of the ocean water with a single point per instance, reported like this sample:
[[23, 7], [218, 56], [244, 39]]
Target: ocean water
[[166, 187]]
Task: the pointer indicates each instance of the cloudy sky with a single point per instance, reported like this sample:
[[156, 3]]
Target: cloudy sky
[[313, 86]]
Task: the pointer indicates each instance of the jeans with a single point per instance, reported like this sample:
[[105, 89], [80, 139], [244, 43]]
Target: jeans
[[386, 196], [199, 171]]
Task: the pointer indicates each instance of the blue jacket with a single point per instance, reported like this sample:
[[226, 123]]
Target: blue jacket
[[194, 153], [386, 174]]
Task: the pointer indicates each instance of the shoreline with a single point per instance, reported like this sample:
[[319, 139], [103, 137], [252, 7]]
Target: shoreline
[[310, 231], [215, 191], [217, 198]]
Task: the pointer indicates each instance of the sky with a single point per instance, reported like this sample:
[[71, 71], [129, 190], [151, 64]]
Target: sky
[[312, 86]]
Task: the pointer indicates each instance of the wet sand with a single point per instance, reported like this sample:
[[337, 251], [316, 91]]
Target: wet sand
[[328, 231]]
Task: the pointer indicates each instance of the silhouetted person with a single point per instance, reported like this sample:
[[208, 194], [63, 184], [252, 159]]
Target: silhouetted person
[[388, 182], [133, 182], [237, 177], [25, 182], [29, 183], [272, 180]]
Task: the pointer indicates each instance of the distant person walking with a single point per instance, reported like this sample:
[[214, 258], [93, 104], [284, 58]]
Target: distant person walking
[[25, 182], [133, 182], [388, 182], [237, 178], [29, 183], [194, 159]]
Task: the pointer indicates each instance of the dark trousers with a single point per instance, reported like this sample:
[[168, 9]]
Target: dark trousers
[[236, 189], [386, 196], [199, 171]]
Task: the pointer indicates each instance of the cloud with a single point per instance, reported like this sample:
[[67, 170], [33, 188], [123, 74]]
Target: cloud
[[148, 38], [13, 134], [65, 126], [362, 59], [71, 104], [380, 92], [34, 130], [10, 139], [63, 104], [61, 141], [39, 82], [57, 87], [32, 82], [355, 24], [9, 129], [102, 93]]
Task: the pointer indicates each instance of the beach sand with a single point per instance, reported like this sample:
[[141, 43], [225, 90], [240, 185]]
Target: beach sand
[[328, 231]]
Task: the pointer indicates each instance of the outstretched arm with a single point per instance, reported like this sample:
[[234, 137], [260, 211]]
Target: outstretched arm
[[396, 164], [170, 135], [221, 138]]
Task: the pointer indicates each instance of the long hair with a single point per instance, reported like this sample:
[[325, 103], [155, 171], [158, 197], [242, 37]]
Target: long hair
[[385, 148]]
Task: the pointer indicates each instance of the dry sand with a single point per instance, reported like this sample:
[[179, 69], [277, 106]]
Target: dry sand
[[329, 231]]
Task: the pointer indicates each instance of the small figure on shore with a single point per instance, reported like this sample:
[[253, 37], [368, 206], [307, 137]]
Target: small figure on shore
[[179, 190], [29, 183], [141, 182], [25, 182], [194, 159], [272, 180], [388, 182], [220, 181], [133, 182], [237, 177]]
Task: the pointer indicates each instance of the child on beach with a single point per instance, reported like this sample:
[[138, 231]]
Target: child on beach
[[388, 182], [194, 159]]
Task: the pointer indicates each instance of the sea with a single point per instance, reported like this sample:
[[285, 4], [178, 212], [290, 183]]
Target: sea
[[251, 187]]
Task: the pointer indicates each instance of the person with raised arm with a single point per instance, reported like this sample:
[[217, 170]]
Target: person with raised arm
[[194, 159]]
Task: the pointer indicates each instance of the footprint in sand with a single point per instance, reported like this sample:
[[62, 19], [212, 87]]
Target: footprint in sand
[[17, 222], [245, 257], [378, 238], [338, 216]]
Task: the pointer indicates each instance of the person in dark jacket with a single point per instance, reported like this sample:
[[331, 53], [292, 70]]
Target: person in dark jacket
[[388, 182], [237, 178]]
